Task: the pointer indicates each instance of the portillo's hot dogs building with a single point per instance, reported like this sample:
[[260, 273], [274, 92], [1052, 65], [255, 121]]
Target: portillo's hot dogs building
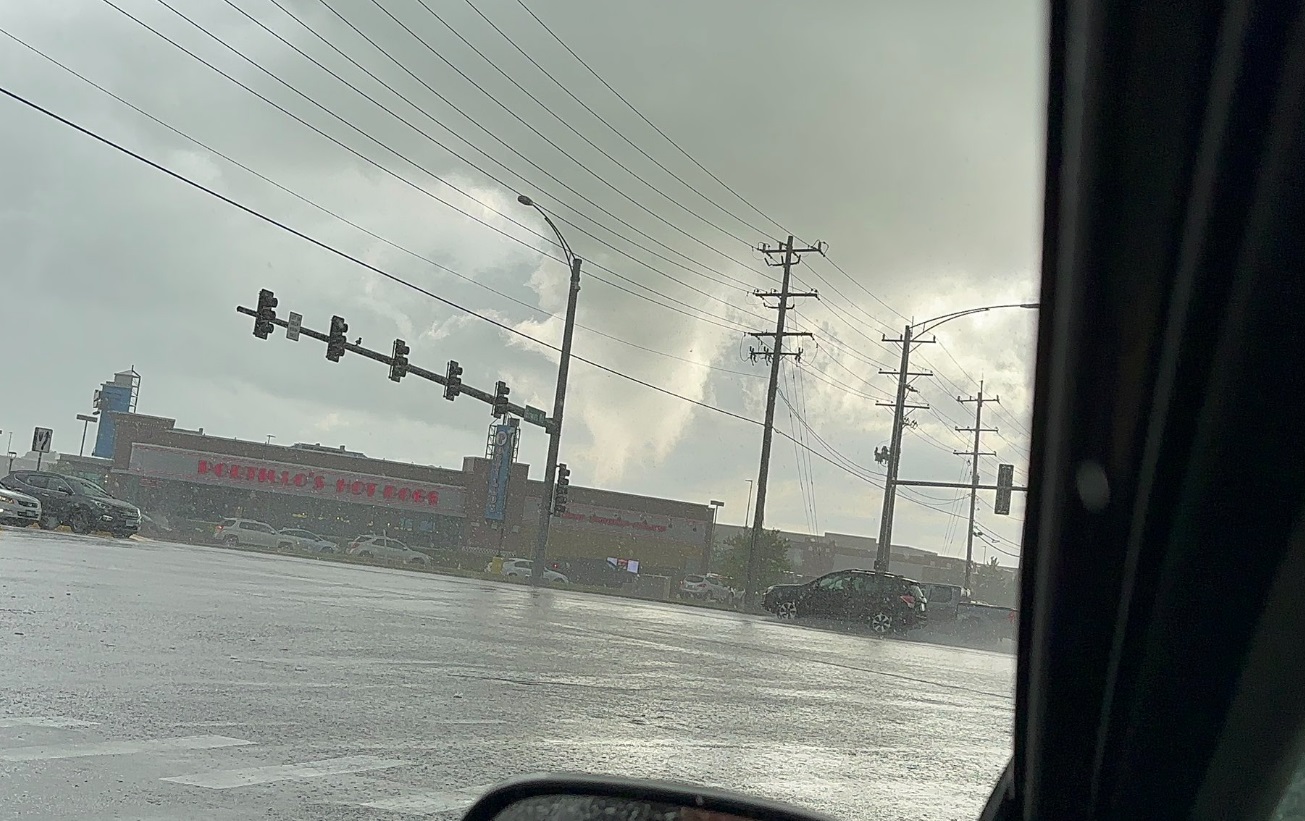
[[488, 506]]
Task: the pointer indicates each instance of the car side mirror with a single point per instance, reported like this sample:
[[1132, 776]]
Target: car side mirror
[[65, 491], [568, 797]]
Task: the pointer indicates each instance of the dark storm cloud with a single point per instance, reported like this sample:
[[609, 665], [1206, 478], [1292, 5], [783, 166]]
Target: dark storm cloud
[[907, 136]]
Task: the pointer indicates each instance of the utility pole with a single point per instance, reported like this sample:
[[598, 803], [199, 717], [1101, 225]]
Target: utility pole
[[791, 257], [974, 455], [883, 548]]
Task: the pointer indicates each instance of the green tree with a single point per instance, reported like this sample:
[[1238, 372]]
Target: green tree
[[994, 584], [772, 559]]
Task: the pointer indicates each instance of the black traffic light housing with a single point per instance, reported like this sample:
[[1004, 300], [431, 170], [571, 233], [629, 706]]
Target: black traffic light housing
[[452, 380], [265, 314], [561, 489], [1005, 483], [335, 341], [501, 392], [399, 360]]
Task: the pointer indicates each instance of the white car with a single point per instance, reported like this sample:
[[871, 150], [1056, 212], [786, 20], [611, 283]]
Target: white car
[[710, 587], [522, 568], [18, 508], [381, 547], [307, 540], [250, 533]]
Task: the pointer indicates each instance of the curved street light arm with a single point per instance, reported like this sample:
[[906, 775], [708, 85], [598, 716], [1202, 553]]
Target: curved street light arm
[[929, 324]]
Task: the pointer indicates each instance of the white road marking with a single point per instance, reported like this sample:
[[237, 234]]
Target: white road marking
[[58, 722], [247, 776], [428, 803], [194, 742]]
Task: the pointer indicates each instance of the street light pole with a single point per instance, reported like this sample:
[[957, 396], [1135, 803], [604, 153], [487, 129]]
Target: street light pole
[[559, 401], [910, 336], [716, 505], [86, 420]]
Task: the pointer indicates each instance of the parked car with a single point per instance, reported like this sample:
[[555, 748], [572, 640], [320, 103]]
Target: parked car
[[249, 533], [521, 568], [886, 602], [68, 500], [307, 540], [711, 587], [987, 621], [381, 547], [18, 508], [593, 572]]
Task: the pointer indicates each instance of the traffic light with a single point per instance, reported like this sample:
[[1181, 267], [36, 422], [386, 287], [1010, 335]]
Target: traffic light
[[335, 341], [561, 489], [452, 380], [399, 363], [501, 392], [266, 313], [1005, 481]]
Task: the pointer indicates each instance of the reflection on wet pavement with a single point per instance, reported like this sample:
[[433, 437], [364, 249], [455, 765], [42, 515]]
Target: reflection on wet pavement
[[326, 675]]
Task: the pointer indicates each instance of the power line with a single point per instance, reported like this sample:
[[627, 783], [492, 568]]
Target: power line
[[610, 127], [401, 178], [845, 465], [799, 463], [356, 226], [349, 257], [726, 279], [508, 109], [568, 125], [649, 122], [802, 403]]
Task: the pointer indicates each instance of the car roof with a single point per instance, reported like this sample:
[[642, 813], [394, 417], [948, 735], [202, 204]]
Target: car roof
[[1166, 462]]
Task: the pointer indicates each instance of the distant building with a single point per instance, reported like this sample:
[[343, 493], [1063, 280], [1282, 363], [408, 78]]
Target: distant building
[[813, 556], [194, 476]]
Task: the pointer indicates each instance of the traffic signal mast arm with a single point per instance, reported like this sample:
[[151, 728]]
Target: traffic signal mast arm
[[386, 359]]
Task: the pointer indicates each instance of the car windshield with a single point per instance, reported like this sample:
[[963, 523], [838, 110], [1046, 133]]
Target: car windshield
[[86, 488], [370, 308]]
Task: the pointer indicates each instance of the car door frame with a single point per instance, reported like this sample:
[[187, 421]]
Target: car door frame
[[65, 503], [826, 603]]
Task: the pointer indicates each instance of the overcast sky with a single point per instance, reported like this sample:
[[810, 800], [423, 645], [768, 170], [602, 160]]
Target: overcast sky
[[905, 135]]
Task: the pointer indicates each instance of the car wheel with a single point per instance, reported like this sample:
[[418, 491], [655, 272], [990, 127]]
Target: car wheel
[[231, 541], [81, 522], [284, 546], [366, 554], [416, 561], [787, 610], [881, 623], [49, 521]]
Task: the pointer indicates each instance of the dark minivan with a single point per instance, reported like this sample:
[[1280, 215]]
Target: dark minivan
[[68, 500], [885, 602]]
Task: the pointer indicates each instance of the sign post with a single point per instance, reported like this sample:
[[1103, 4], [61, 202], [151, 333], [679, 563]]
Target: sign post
[[41, 438]]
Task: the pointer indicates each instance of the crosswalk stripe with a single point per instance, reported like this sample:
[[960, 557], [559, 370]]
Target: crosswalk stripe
[[194, 742], [56, 722], [247, 776], [428, 803]]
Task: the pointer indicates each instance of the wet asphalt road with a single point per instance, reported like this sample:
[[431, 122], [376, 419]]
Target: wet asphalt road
[[143, 680]]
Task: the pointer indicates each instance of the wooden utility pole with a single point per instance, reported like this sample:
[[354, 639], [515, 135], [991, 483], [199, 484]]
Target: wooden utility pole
[[790, 257], [974, 455]]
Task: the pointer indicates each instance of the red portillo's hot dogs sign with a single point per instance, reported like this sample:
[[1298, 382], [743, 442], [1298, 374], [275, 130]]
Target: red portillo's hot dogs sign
[[300, 480]]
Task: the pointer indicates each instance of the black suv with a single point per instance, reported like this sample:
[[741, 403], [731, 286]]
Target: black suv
[[67, 500], [885, 602]]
